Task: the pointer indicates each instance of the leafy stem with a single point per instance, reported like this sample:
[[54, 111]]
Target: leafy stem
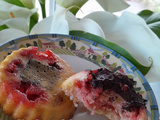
[[43, 8]]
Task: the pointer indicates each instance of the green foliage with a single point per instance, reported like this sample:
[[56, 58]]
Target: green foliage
[[144, 69], [21, 46], [35, 43], [27, 44], [68, 44], [117, 68], [42, 1], [104, 62], [2, 27], [52, 43], [73, 46], [61, 43], [82, 48], [43, 8], [33, 20], [113, 65], [152, 20], [107, 56], [104, 53], [15, 2], [39, 43], [137, 88], [94, 57], [99, 57]]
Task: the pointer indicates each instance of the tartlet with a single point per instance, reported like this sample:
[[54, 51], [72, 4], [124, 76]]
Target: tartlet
[[106, 93], [29, 85]]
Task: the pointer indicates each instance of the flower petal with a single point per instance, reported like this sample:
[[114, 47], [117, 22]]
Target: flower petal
[[113, 5], [10, 34], [15, 17], [86, 25], [17, 12], [53, 24], [16, 23], [131, 32]]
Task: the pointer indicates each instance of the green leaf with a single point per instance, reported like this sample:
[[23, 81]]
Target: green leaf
[[145, 14], [42, 1], [33, 20], [144, 69], [2, 27], [43, 8], [155, 27], [15, 2], [152, 20]]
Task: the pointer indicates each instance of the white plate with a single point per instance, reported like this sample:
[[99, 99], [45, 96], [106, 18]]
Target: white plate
[[82, 54]]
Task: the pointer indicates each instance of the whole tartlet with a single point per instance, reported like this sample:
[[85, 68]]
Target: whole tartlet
[[106, 93], [29, 85]]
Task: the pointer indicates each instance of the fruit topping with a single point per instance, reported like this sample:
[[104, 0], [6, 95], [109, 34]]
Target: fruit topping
[[25, 92], [14, 66]]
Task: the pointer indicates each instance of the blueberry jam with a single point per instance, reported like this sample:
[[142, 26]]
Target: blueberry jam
[[120, 84], [40, 75]]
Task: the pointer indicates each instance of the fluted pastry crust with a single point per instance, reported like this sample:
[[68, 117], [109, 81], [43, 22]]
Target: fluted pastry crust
[[29, 85]]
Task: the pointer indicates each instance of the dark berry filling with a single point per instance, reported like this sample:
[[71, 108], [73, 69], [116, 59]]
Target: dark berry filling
[[39, 74], [120, 84]]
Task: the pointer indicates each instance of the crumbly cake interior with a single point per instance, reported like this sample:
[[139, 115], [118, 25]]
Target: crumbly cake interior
[[106, 93], [29, 85]]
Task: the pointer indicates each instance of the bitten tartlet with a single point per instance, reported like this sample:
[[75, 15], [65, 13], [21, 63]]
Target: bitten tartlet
[[106, 93], [29, 85]]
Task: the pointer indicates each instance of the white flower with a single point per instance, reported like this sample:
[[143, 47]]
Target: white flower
[[128, 31], [15, 17], [131, 33], [113, 5], [108, 5], [53, 24]]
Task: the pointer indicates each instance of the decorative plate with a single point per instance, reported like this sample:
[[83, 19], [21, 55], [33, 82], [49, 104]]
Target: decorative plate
[[82, 54]]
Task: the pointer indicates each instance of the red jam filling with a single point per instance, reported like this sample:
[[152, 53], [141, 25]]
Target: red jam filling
[[87, 93], [14, 66], [29, 52], [35, 54], [25, 92]]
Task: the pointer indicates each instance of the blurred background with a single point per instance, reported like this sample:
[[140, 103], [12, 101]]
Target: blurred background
[[92, 5], [135, 7]]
